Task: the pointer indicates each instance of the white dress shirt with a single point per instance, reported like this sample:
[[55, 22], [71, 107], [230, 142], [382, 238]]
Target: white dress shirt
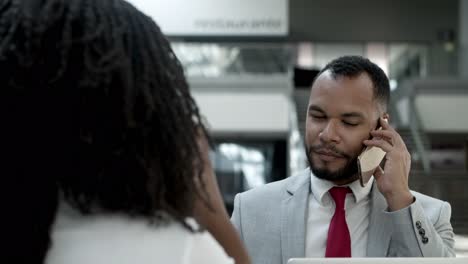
[[321, 210]]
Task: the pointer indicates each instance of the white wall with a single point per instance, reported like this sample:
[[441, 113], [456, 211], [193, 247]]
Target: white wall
[[245, 113], [441, 103], [443, 112]]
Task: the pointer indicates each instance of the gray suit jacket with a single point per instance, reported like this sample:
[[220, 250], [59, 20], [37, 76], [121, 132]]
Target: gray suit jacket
[[271, 221]]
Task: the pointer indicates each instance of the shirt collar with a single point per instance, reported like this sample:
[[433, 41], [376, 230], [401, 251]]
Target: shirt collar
[[361, 193], [320, 187]]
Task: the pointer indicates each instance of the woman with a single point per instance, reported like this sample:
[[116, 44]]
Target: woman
[[106, 153]]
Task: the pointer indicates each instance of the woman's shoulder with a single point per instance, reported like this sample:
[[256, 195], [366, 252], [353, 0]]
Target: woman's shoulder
[[104, 238], [205, 249]]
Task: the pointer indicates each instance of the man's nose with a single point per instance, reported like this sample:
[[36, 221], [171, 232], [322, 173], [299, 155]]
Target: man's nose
[[330, 133]]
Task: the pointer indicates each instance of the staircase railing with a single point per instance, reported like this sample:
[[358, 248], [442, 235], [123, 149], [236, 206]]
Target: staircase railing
[[418, 135]]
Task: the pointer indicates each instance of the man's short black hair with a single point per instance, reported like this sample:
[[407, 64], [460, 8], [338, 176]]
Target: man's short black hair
[[353, 66]]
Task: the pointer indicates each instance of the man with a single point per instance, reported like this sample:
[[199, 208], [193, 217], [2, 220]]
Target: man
[[297, 217]]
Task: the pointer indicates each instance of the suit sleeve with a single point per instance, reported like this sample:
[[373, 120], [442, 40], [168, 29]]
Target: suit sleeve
[[236, 215], [415, 235]]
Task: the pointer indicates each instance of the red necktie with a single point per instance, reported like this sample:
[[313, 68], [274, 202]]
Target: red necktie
[[339, 240]]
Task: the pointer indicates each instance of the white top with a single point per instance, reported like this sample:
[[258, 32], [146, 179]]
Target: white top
[[119, 239], [322, 208]]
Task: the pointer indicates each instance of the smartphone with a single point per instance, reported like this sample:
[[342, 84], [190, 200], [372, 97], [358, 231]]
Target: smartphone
[[368, 161]]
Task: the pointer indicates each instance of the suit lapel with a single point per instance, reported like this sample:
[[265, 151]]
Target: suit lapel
[[379, 226], [293, 217]]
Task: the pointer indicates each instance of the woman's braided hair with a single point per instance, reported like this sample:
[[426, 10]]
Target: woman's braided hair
[[97, 109]]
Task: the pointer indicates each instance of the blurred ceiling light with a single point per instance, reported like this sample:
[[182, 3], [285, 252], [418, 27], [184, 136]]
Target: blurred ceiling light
[[393, 84], [305, 55]]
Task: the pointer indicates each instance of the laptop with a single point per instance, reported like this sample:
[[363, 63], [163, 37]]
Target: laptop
[[378, 261]]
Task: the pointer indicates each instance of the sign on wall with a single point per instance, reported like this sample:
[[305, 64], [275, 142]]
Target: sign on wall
[[218, 17]]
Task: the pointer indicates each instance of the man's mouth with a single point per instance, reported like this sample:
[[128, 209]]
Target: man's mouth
[[328, 153]]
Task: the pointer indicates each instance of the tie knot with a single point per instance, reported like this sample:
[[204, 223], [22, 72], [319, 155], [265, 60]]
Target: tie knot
[[339, 194]]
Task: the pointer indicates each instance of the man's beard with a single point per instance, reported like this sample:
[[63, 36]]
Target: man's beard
[[347, 172]]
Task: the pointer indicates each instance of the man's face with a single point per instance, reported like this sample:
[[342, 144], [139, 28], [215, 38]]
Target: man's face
[[341, 113]]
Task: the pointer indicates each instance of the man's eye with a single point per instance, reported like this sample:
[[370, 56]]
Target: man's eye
[[350, 124], [318, 117]]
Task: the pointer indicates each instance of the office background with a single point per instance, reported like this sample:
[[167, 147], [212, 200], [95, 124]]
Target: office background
[[250, 65]]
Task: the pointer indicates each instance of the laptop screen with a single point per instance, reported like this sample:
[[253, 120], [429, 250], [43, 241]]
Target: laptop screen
[[378, 261]]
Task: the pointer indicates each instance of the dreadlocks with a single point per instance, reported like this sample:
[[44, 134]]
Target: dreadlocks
[[98, 110]]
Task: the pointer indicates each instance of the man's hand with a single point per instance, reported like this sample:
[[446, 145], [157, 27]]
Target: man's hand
[[392, 181]]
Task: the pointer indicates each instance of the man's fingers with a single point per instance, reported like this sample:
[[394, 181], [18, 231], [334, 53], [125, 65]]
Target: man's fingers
[[378, 142], [378, 173], [384, 124], [389, 133], [382, 133]]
